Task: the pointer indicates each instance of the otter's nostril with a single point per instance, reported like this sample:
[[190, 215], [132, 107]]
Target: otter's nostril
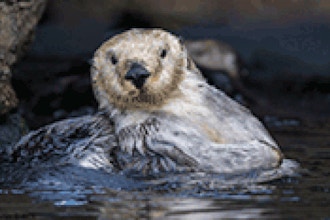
[[137, 74]]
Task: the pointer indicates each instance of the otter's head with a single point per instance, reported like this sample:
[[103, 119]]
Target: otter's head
[[138, 69]]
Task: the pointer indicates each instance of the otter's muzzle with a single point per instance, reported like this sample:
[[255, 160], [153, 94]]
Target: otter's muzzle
[[137, 74]]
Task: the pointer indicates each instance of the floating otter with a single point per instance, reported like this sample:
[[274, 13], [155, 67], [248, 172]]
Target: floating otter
[[156, 114]]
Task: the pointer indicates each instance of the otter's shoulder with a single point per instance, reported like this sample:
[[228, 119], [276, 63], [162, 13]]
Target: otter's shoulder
[[60, 137], [237, 122]]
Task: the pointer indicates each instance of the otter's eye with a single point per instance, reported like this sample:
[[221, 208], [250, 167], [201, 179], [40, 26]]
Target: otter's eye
[[113, 59], [110, 55], [163, 53]]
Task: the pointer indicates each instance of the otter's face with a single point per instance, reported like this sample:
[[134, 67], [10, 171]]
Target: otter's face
[[138, 69]]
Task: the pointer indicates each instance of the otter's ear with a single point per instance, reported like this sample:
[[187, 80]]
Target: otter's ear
[[191, 66], [190, 63], [91, 62], [94, 73], [183, 48], [181, 40]]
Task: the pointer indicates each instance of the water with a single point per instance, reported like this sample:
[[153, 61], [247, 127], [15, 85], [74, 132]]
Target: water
[[305, 196]]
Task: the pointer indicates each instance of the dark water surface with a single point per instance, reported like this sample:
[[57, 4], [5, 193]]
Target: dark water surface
[[306, 196]]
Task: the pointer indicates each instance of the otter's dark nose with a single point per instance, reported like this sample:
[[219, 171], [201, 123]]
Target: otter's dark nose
[[137, 74]]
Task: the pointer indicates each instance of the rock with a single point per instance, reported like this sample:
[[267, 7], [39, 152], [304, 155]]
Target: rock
[[17, 22], [214, 55], [222, 67], [8, 98]]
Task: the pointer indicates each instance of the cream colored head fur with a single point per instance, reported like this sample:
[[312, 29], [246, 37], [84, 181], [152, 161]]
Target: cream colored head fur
[[114, 58]]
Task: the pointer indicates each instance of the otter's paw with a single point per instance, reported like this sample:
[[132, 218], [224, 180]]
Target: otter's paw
[[170, 150], [131, 144]]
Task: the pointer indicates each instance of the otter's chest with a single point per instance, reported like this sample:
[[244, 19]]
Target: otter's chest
[[195, 114]]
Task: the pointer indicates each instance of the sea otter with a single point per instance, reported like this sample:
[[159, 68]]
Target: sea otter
[[157, 114]]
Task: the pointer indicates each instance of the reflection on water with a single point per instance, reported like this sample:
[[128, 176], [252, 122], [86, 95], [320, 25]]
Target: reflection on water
[[305, 196], [125, 205]]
